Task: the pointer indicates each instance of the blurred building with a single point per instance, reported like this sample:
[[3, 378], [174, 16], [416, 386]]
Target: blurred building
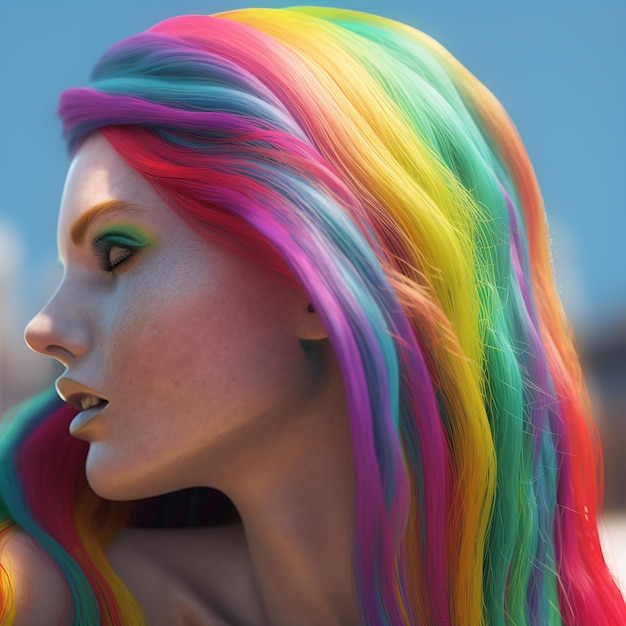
[[604, 360], [22, 372]]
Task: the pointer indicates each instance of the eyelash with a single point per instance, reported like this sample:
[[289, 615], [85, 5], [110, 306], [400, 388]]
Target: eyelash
[[102, 247]]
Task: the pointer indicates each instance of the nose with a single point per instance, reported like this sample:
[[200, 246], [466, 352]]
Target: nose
[[58, 331]]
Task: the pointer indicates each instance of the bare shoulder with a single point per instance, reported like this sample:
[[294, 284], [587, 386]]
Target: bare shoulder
[[40, 593], [192, 575]]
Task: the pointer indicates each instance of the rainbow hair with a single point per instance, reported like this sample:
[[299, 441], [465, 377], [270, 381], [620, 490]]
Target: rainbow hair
[[355, 156]]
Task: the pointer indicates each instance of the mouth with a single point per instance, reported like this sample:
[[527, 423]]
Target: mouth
[[84, 402], [88, 402], [79, 396]]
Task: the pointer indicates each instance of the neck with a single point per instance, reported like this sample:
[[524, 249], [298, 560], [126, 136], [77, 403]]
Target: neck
[[297, 507]]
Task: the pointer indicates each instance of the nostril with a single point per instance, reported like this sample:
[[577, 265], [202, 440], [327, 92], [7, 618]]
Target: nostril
[[59, 353]]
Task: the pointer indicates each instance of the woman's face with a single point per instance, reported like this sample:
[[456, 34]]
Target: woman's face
[[195, 351]]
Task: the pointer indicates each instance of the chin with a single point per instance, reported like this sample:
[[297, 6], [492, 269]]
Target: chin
[[113, 480], [112, 487]]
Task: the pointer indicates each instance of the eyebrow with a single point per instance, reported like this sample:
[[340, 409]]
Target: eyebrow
[[78, 230]]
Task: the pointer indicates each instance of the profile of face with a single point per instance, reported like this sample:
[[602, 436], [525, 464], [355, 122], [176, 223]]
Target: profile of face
[[191, 356]]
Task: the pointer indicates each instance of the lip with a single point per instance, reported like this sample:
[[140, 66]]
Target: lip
[[83, 418], [72, 392]]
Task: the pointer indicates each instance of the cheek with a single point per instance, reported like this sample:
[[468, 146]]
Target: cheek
[[198, 333], [194, 370], [177, 342]]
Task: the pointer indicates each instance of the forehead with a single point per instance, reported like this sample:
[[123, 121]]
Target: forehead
[[97, 175]]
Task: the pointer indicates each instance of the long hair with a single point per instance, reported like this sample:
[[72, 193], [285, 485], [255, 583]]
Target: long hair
[[354, 156]]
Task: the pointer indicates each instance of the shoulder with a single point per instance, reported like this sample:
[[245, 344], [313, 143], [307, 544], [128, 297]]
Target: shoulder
[[40, 593], [192, 575]]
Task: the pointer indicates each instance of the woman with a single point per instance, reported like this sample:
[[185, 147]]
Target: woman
[[306, 265]]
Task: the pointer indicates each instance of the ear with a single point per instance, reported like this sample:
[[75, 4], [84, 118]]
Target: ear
[[310, 326]]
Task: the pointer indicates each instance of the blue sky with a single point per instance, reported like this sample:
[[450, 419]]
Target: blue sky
[[558, 68]]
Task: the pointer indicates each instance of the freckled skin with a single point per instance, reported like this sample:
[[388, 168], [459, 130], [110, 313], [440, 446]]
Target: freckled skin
[[200, 356]]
